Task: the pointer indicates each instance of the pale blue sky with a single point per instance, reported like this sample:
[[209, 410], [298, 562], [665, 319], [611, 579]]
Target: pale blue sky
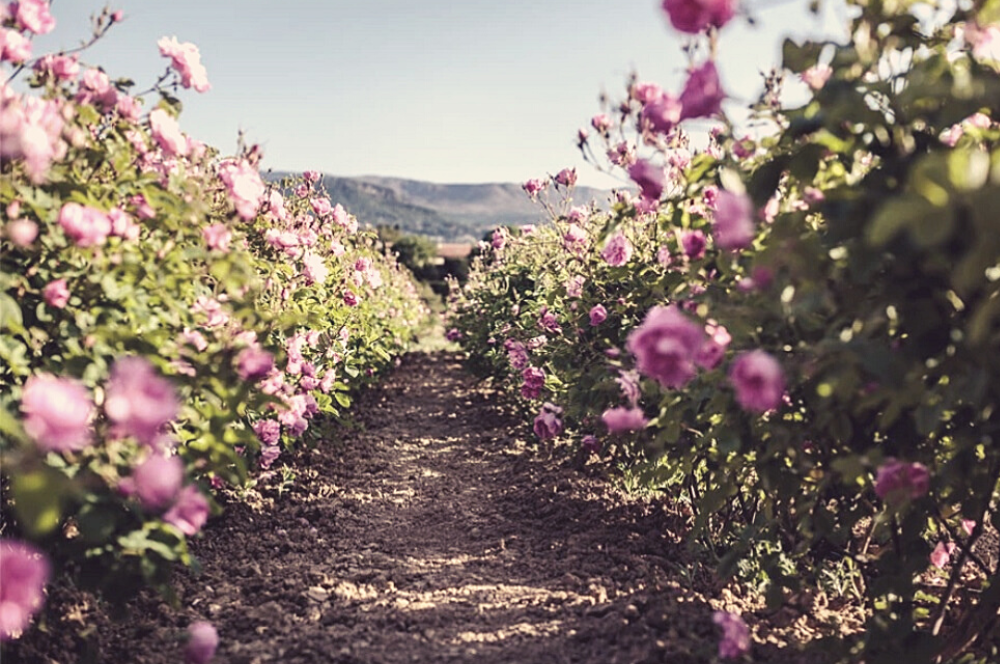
[[447, 91]]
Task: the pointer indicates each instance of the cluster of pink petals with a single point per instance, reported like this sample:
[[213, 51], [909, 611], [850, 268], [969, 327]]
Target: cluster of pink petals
[[84, 225], [57, 413], [758, 380], [246, 189], [651, 179], [186, 59], [139, 402], [30, 131], [534, 381], [693, 16], [941, 554], [189, 512], [33, 16], [56, 294], [217, 237], [899, 481], [734, 226], [575, 240], [617, 251], [95, 88], [21, 232], [816, 76], [566, 177], [714, 348], [314, 268], [517, 354], [598, 314], [624, 419], [665, 346], [59, 67], [735, 639], [24, 571], [547, 423], [202, 642], [534, 186], [254, 363], [167, 133], [156, 481]]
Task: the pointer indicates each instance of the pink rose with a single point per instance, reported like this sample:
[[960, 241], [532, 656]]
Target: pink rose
[[217, 237], [14, 47], [24, 571], [598, 314], [453, 334], [60, 67], [186, 60], [84, 225], [138, 400], [575, 240], [941, 554], [693, 243], [254, 363], [665, 346], [34, 16], [662, 114], [650, 179], [693, 16], [350, 299], [624, 419], [167, 133], [202, 643], [21, 232], [898, 481], [758, 380], [57, 413], [566, 177], [268, 431], [547, 423], [189, 512], [734, 227], [157, 480], [601, 123], [591, 444], [246, 189], [56, 294], [816, 76], [533, 187], [617, 251], [710, 354], [703, 95], [314, 268], [735, 639]]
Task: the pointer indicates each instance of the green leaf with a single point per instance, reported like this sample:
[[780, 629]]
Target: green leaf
[[37, 500], [10, 314]]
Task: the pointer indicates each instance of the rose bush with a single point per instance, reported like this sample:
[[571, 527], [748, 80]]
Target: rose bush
[[807, 322], [169, 323]]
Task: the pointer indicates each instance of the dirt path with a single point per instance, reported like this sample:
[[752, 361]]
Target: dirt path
[[432, 535]]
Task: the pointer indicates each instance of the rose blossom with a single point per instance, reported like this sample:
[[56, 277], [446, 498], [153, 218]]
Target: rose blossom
[[254, 363], [157, 480], [167, 133], [898, 481], [601, 123], [624, 419], [575, 240], [693, 16], [758, 380], [702, 96], [941, 554], [693, 243], [662, 114], [650, 179], [710, 354], [84, 225], [21, 232], [566, 177], [617, 251], [735, 634], [56, 294], [202, 643], [268, 431], [217, 237], [816, 76], [34, 16], [598, 314], [547, 423], [186, 60], [665, 346], [139, 401], [734, 227], [57, 413], [189, 512], [533, 187], [24, 571], [246, 189]]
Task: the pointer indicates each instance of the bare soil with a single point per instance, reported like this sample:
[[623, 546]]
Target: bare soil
[[435, 532]]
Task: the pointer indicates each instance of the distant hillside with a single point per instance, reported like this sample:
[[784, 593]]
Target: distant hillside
[[447, 212]]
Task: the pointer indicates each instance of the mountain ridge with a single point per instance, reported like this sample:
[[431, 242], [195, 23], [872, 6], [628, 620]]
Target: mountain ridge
[[447, 212]]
